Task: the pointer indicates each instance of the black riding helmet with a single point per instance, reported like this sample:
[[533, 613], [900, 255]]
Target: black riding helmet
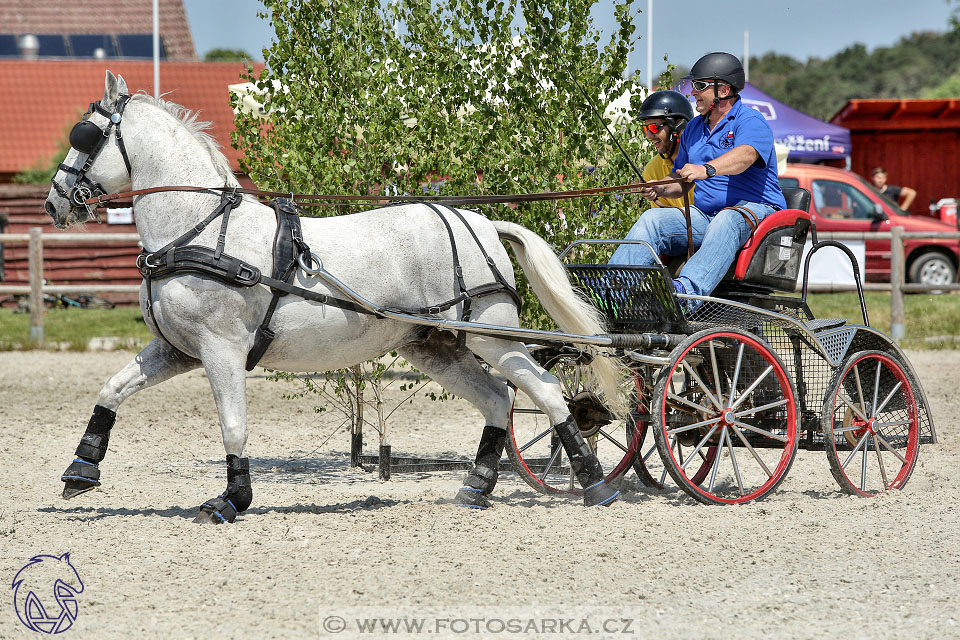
[[673, 107], [719, 66]]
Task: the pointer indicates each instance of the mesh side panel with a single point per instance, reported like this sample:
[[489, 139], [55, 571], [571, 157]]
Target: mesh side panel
[[634, 299], [837, 343]]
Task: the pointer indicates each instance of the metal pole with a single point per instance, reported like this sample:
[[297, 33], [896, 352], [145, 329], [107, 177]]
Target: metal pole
[[897, 317], [746, 55], [35, 262], [156, 48], [650, 45]]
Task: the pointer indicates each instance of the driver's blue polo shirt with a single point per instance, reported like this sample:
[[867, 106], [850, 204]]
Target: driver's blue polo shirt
[[699, 145]]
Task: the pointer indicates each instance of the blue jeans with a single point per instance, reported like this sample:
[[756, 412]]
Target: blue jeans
[[717, 238]]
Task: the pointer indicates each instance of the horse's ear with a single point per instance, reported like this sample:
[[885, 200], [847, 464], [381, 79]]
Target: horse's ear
[[122, 86], [111, 89]]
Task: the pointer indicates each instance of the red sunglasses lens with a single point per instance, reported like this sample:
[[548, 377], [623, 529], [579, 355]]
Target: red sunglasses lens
[[653, 128]]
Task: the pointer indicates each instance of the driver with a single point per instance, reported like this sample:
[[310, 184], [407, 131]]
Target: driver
[[728, 151]]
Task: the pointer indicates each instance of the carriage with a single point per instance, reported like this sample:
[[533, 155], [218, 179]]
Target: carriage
[[722, 400], [725, 395]]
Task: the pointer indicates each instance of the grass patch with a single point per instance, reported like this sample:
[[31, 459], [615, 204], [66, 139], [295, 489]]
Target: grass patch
[[74, 328], [932, 321]]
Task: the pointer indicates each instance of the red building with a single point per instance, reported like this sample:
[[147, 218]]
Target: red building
[[916, 141]]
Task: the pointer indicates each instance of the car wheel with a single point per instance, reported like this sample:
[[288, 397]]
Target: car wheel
[[933, 269]]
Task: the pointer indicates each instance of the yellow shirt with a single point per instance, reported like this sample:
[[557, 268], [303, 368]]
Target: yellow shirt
[[658, 169]]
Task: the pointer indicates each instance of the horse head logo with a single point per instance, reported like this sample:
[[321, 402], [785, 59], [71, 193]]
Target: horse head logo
[[45, 593]]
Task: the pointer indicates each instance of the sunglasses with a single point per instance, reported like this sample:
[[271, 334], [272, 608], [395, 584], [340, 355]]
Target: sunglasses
[[654, 127]]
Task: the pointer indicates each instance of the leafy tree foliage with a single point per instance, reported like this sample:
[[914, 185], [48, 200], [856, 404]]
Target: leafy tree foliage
[[227, 55], [448, 96]]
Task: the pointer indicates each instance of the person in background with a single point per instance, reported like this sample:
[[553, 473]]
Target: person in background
[[903, 197], [664, 115]]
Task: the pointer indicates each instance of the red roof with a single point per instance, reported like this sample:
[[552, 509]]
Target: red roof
[[101, 16], [939, 113], [44, 98]]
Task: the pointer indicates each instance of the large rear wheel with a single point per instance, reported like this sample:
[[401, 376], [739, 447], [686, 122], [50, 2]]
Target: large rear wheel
[[725, 418]]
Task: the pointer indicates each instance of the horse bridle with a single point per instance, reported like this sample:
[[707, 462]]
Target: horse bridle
[[88, 139]]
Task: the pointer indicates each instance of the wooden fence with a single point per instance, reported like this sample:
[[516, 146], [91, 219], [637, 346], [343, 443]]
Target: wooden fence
[[36, 239]]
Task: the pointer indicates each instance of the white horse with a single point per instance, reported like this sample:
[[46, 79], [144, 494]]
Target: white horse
[[399, 256]]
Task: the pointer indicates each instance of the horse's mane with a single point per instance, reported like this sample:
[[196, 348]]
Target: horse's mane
[[198, 129]]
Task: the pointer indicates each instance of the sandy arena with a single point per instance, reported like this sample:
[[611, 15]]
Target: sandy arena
[[323, 542]]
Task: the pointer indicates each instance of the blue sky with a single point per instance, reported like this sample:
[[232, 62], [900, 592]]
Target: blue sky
[[683, 29]]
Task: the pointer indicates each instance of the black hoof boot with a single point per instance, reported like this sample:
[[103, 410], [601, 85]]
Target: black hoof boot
[[83, 474], [585, 466], [481, 480], [232, 502]]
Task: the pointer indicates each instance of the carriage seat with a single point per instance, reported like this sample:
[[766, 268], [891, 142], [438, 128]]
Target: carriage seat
[[771, 258]]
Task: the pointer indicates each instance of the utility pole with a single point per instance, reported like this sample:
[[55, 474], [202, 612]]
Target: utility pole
[[746, 55], [156, 48], [650, 45]]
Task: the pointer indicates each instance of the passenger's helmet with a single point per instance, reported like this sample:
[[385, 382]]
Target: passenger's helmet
[[672, 106], [719, 66]]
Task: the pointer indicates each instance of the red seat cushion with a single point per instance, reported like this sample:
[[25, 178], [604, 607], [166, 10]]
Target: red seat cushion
[[776, 220]]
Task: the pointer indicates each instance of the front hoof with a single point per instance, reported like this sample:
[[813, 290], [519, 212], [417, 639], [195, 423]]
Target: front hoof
[[73, 488], [600, 495], [216, 511], [81, 476], [472, 499]]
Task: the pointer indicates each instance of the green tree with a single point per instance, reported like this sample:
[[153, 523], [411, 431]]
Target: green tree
[[457, 96], [227, 55]]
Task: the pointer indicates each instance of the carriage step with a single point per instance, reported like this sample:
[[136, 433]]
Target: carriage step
[[822, 324]]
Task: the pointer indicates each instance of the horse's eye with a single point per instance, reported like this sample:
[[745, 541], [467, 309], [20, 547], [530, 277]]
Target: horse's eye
[[85, 136]]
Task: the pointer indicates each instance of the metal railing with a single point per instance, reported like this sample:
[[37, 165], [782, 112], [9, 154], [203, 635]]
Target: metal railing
[[35, 241]]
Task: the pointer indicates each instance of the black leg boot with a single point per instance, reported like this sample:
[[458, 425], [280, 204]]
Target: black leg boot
[[481, 480], [233, 501], [585, 465], [83, 474]]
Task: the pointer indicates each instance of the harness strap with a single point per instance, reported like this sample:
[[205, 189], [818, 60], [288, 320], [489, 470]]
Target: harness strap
[[749, 216]]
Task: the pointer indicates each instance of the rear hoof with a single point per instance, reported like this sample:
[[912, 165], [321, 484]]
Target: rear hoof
[[216, 511], [73, 488], [600, 495], [472, 499], [208, 517]]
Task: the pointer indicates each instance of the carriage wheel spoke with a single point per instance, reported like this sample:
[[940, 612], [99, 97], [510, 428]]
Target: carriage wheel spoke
[[552, 461], [535, 440], [887, 399], [756, 456], [847, 401], [702, 385], [733, 460], [697, 449], [692, 405], [716, 461], [620, 445], [649, 453], [716, 373], [695, 425], [771, 405], [863, 407], [863, 464], [763, 432], [876, 389], [886, 445], [855, 449], [736, 371], [883, 470], [753, 385]]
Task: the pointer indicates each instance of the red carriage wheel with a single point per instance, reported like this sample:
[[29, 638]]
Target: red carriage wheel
[[870, 424], [725, 389]]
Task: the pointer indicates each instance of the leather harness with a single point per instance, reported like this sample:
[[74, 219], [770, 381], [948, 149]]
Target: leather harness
[[179, 257]]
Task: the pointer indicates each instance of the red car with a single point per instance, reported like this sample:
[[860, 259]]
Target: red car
[[843, 201]]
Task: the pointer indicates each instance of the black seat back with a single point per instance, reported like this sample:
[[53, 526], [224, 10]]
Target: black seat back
[[797, 198]]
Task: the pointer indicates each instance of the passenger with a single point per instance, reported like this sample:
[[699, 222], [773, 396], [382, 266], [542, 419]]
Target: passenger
[[664, 115], [728, 150], [903, 197]]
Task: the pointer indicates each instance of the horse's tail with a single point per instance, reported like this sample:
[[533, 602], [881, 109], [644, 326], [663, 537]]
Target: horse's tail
[[571, 310]]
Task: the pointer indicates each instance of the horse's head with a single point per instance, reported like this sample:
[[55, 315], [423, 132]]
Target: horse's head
[[97, 162]]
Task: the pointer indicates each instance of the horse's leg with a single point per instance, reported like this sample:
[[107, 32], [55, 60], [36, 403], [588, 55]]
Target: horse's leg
[[156, 363], [514, 361], [225, 369], [458, 372]]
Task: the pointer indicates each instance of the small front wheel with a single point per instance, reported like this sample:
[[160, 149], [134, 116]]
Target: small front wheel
[[725, 417], [870, 424]]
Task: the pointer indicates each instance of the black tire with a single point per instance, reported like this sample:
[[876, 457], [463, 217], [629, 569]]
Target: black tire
[[866, 381], [719, 379], [933, 268]]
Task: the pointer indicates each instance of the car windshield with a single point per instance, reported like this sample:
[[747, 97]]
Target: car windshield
[[891, 202]]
